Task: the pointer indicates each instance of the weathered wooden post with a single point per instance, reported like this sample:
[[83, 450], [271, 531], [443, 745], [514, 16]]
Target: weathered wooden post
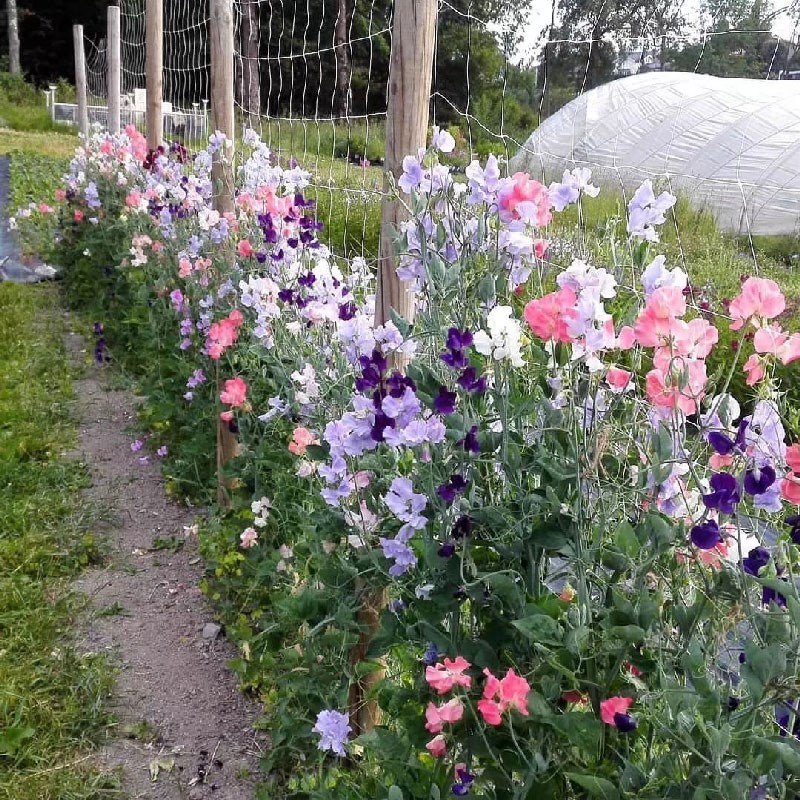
[[80, 80], [220, 31], [154, 68], [114, 69], [13, 38], [410, 77]]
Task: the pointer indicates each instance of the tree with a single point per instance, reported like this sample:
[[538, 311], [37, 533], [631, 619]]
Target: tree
[[739, 44], [583, 47]]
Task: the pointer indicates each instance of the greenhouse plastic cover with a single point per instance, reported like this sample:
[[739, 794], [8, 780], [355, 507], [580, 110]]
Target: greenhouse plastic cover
[[731, 145]]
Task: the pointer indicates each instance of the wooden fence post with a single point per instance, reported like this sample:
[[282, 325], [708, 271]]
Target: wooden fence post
[[80, 80], [13, 38], [154, 57], [410, 77], [220, 31], [114, 69]]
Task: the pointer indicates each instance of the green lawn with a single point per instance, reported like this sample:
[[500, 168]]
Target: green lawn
[[51, 693]]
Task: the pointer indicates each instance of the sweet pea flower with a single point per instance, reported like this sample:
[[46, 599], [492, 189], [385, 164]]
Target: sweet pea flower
[[614, 706], [448, 713], [499, 695], [445, 675], [248, 538], [761, 299], [619, 379], [244, 248], [520, 196], [442, 140], [548, 316], [437, 746], [301, 439], [333, 728], [234, 392]]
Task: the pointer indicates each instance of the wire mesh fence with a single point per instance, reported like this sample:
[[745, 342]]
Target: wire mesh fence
[[311, 78]]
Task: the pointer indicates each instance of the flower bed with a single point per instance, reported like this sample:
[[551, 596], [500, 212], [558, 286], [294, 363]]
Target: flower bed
[[533, 525]]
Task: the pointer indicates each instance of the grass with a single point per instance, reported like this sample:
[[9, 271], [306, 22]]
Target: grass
[[51, 693], [60, 145]]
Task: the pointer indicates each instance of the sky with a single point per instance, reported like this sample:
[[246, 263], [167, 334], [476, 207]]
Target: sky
[[541, 12]]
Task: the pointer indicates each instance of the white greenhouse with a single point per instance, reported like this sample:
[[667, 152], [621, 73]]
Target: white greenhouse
[[731, 145]]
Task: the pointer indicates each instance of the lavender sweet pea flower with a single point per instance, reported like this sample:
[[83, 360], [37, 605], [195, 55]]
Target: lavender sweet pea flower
[[333, 728], [413, 175]]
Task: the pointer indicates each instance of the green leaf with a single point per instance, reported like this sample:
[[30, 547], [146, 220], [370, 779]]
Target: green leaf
[[632, 634], [761, 666], [626, 540], [11, 739], [540, 628], [401, 323], [486, 288], [395, 793], [788, 753], [597, 787]]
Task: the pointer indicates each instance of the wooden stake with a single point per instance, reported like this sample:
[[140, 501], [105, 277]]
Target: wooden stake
[[80, 80], [410, 76], [220, 31], [114, 69], [154, 57]]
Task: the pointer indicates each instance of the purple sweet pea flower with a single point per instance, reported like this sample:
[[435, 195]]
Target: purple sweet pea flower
[[757, 558], [470, 382], [470, 441], [450, 490], [706, 535], [758, 480], [725, 495], [624, 723], [445, 401]]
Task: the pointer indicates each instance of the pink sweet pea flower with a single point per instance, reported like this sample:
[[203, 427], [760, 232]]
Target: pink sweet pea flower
[[793, 457], [523, 198], [133, 199], [612, 706], [78, 215], [437, 747], [226, 416], [790, 489], [61, 195], [451, 712], [626, 338], [656, 322], [755, 367], [500, 695], [245, 249], [760, 299], [619, 379], [249, 538], [234, 393], [301, 439], [444, 676], [549, 316]]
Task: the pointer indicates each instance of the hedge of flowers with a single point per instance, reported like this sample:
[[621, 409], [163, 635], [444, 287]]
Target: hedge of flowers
[[533, 525]]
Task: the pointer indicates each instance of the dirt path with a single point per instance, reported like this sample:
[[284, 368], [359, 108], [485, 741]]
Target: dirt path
[[181, 714]]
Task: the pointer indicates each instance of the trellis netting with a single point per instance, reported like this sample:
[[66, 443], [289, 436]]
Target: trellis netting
[[730, 145]]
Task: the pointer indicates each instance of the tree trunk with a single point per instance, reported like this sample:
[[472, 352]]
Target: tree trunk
[[13, 38], [344, 67], [249, 80]]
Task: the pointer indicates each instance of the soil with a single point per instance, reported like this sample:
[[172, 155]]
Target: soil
[[184, 732]]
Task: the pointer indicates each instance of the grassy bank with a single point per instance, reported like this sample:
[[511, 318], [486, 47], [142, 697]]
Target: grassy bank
[[51, 694]]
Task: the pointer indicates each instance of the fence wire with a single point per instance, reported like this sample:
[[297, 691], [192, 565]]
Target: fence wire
[[311, 77]]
